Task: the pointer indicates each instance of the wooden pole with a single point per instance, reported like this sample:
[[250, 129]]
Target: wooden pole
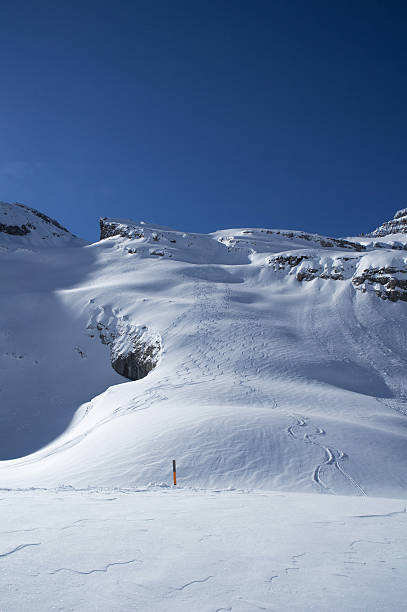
[[174, 472]]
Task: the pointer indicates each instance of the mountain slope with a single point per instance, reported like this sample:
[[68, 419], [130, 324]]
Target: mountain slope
[[266, 358]]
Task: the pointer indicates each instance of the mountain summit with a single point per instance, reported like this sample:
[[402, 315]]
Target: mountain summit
[[397, 225], [21, 225]]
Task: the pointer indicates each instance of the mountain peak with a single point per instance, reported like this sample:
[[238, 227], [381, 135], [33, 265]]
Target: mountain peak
[[20, 224], [397, 225]]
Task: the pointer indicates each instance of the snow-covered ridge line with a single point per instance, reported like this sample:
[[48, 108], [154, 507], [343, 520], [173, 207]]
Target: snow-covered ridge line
[[23, 226], [132, 230], [43, 217], [323, 241]]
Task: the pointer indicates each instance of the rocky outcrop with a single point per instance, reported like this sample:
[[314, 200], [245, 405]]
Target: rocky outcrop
[[308, 274], [281, 261], [109, 228], [384, 281], [395, 226], [134, 350], [20, 220], [138, 362], [15, 230], [387, 282], [306, 267]]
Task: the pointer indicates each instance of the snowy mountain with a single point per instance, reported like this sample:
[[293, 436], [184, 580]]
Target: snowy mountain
[[258, 358], [20, 221], [398, 225]]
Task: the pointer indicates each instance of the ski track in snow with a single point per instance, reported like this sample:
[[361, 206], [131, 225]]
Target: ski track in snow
[[19, 547], [388, 514], [188, 584], [102, 570], [332, 456]]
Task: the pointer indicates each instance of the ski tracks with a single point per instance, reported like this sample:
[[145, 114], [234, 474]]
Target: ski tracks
[[332, 463], [214, 343]]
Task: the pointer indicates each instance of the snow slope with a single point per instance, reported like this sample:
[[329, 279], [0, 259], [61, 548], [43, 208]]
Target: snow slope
[[275, 360]]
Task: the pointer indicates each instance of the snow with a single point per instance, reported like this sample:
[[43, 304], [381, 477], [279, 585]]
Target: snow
[[22, 227], [279, 376], [262, 381], [395, 226], [157, 549]]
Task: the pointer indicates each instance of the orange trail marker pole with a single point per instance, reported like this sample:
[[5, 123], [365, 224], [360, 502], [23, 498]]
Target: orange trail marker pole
[[174, 472]]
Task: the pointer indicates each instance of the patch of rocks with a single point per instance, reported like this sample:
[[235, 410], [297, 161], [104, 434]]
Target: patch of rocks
[[396, 225], [134, 350], [384, 281]]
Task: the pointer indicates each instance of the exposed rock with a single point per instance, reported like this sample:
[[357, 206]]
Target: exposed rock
[[309, 274], [386, 282], [45, 218], [21, 220], [14, 230], [290, 260], [139, 362], [387, 285], [109, 228], [395, 226], [332, 276], [134, 350], [306, 274], [327, 268]]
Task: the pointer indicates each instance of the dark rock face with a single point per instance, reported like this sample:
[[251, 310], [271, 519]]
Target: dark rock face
[[395, 226], [110, 228], [392, 288], [309, 274], [310, 271], [290, 260], [134, 351], [14, 230], [138, 363], [386, 282]]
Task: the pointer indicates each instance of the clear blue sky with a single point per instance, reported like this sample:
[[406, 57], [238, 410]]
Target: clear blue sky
[[205, 114]]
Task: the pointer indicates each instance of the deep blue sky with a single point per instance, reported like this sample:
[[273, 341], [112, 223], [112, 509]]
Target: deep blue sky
[[205, 114]]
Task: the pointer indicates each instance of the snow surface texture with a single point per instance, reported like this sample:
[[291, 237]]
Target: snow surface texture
[[268, 359], [214, 551]]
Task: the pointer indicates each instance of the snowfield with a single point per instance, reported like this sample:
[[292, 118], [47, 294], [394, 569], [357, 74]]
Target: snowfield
[[178, 551], [262, 360]]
